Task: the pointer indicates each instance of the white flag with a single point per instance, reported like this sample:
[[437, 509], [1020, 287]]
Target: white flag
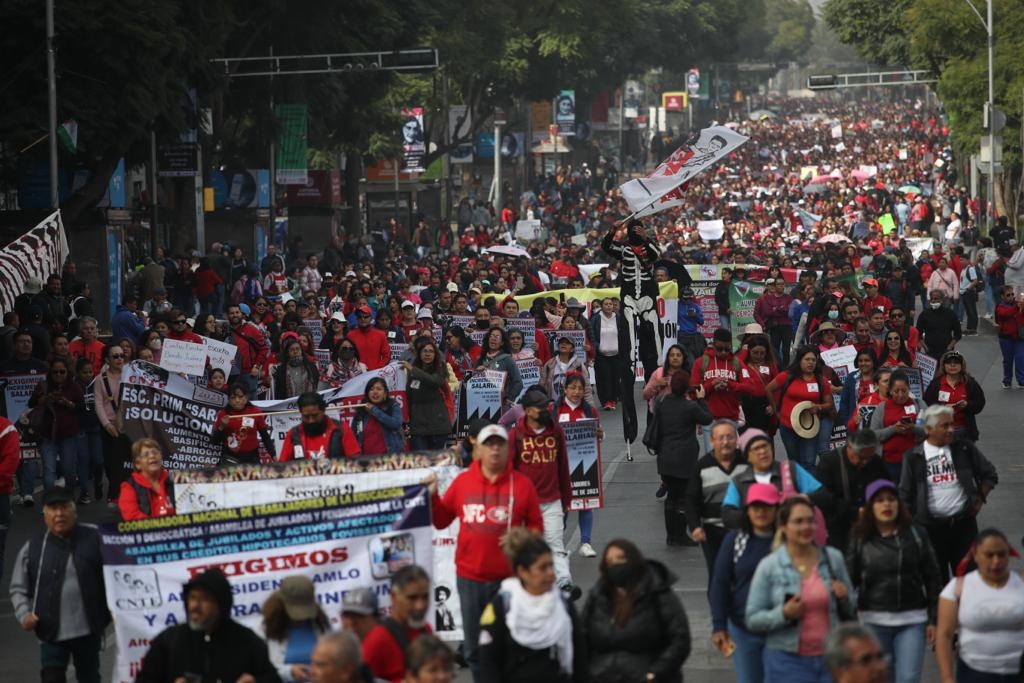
[[686, 162]]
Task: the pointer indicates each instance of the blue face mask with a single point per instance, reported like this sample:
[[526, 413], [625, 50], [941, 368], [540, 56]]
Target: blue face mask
[[833, 315]]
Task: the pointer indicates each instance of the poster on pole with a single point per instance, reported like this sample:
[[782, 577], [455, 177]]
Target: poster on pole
[[339, 541], [460, 124], [565, 112], [584, 452], [414, 140]]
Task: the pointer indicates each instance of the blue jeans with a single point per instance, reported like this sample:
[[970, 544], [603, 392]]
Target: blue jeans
[[786, 667], [429, 442], [1013, 359], [895, 469], [67, 451], [473, 598], [748, 660], [586, 524], [803, 452], [905, 644], [54, 658], [28, 472], [90, 453], [824, 437]]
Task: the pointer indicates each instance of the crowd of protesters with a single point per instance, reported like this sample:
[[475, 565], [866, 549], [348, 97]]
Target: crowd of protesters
[[825, 205]]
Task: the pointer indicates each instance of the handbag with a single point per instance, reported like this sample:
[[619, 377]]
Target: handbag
[[652, 434], [789, 490]]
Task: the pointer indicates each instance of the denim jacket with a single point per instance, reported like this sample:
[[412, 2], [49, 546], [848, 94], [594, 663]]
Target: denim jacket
[[775, 578]]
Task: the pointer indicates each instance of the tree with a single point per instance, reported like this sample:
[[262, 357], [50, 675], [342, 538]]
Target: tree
[[876, 28]]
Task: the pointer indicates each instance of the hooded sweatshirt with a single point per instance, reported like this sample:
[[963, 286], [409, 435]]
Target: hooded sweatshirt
[[707, 370], [482, 508], [541, 456], [227, 652]]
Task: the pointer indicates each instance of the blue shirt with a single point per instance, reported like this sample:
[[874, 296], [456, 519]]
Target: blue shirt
[[690, 324], [299, 648]]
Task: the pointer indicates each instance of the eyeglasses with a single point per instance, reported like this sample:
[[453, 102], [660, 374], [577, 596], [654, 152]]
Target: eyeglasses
[[180, 322], [115, 356]]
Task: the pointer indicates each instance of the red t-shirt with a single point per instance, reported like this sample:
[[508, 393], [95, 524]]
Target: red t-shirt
[[92, 351], [798, 391], [384, 656], [898, 444], [948, 395], [242, 433]]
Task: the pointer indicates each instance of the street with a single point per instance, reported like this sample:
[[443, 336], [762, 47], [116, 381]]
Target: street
[[631, 511]]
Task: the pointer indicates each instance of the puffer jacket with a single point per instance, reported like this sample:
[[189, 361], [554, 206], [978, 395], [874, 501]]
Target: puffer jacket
[[656, 638], [895, 573]]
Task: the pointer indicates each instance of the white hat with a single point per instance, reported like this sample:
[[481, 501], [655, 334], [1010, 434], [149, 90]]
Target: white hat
[[452, 287], [425, 313], [408, 304], [492, 430], [805, 423], [339, 316], [191, 322]]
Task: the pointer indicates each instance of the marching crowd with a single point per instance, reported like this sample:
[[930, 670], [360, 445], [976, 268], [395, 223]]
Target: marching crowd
[[834, 562]]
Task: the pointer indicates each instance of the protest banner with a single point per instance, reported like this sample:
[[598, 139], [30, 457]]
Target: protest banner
[[181, 425], [185, 357], [917, 245], [316, 328], [17, 390], [584, 453], [841, 357], [927, 365], [241, 485], [529, 371], [220, 354], [578, 337], [704, 295], [323, 362], [339, 541], [743, 295]]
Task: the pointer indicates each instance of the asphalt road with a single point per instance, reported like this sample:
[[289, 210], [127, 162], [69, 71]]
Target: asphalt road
[[631, 511]]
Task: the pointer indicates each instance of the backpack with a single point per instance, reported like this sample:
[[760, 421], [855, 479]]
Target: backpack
[[142, 495]]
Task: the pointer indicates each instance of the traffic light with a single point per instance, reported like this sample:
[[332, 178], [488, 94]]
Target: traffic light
[[823, 82]]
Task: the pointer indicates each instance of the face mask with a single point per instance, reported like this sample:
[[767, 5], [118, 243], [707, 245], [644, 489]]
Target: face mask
[[833, 315], [155, 344], [347, 353], [935, 304], [483, 324], [295, 362], [315, 429], [617, 574]]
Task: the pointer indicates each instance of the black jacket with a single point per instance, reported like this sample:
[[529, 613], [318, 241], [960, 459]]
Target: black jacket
[[846, 483], [938, 326], [656, 638], [503, 660], [226, 653], [678, 449], [975, 402], [722, 296], [972, 470], [895, 573]]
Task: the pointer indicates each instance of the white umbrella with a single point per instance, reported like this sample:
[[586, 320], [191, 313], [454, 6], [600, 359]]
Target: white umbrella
[[833, 238], [507, 250]]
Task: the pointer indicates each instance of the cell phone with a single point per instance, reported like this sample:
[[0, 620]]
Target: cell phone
[[730, 648], [789, 596], [907, 420]]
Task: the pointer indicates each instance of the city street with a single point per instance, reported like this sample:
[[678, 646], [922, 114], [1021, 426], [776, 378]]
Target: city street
[[631, 511]]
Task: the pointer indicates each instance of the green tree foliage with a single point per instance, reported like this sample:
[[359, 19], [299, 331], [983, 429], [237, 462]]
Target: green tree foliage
[[876, 28]]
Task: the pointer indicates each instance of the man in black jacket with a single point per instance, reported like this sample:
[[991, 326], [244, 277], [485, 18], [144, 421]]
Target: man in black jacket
[[945, 481], [939, 327], [722, 298], [846, 473], [211, 646]]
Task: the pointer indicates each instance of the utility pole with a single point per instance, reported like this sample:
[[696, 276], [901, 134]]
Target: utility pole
[[272, 227], [497, 165], [991, 128], [153, 241], [51, 78]]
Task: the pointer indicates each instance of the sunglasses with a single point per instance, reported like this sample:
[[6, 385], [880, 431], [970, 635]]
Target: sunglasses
[[363, 315], [116, 355], [954, 359], [180, 322]]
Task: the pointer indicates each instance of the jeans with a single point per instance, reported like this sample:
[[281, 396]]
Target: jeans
[[66, 450], [1013, 359], [824, 437], [781, 339], [905, 644], [554, 534], [786, 667], [951, 540], [586, 520], [970, 304], [90, 452], [429, 442], [965, 674], [473, 598], [724, 322], [54, 659], [803, 452], [748, 660], [990, 302], [28, 472]]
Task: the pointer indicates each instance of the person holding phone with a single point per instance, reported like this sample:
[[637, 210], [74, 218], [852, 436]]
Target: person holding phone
[[740, 554], [895, 423], [798, 594], [239, 428]]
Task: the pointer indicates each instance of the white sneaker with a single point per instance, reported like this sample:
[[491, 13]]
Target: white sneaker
[[587, 550]]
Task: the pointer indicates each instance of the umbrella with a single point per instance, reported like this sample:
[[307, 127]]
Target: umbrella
[[761, 115], [909, 189], [507, 250], [833, 238], [814, 189], [859, 175], [822, 179]]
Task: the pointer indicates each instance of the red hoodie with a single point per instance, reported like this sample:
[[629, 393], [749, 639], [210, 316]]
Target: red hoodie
[[482, 508], [1008, 318], [723, 404], [542, 457]]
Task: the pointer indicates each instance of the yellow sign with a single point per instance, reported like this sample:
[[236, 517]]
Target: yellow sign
[[674, 101]]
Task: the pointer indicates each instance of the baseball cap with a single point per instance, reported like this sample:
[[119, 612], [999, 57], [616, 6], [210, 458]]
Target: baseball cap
[[408, 304], [339, 316], [766, 494], [452, 287], [364, 309], [299, 597], [359, 601], [876, 486], [58, 495], [492, 430], [870, 282]]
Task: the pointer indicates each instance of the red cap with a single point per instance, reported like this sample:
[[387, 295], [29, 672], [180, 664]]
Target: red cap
[[365, 309]]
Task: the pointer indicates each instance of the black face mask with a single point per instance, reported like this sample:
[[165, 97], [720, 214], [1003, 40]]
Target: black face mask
[[617, 574], [346, 353], [544, 418], [315, 429], [483, 324]]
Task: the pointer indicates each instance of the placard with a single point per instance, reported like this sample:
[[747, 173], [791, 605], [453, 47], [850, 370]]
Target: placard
[[185, 357], [220, 354], [584, 453], [841, 357], [928, 366]]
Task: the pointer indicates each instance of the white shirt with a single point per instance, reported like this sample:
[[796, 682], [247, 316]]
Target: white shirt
[[991, 623], [946, 497], [609, 335], [953, 229]]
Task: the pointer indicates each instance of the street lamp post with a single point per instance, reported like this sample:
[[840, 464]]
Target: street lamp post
[[989, 26]]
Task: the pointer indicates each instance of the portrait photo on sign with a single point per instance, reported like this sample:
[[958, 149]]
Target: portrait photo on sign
[[388, 554]]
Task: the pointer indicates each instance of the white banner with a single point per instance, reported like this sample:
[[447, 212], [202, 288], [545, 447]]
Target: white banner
[[711, 230], [185, 357], [38, 253], [339, 541]]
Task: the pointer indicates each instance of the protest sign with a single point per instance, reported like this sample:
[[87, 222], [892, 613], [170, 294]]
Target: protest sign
[[587, 270], [528, 230], [578, 337], [927, 365], [711, 230], [528, 326], [220, 354], [185, 357], [916, 384], [17, 390], [917, 245], [584, 453], [704, 295], [339, 541], [181, 425], [743, 296], [840, 357], [316, 328], [446, 320], [529, 371], [323, 362], [397, 351]]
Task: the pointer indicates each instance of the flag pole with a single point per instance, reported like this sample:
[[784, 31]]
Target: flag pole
[[51, 78]]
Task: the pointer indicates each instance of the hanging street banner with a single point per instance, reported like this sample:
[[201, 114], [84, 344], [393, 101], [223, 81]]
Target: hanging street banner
[[414, 140], [565, 112], [292, 144], [460, 123], [339, 541], [584, 452]]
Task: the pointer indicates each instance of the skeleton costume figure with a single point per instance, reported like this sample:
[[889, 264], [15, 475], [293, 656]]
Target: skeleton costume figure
[[638, 294]]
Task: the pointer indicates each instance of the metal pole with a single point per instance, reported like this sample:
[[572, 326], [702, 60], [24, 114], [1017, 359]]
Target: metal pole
[[497, 172], [622, 125], [271, 229], [152, 191], [200, 214], [398, 165], [51, 77], [446, 180], [991, 133]]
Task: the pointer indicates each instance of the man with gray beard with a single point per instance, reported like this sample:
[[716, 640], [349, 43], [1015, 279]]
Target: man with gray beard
[[211, 646]]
